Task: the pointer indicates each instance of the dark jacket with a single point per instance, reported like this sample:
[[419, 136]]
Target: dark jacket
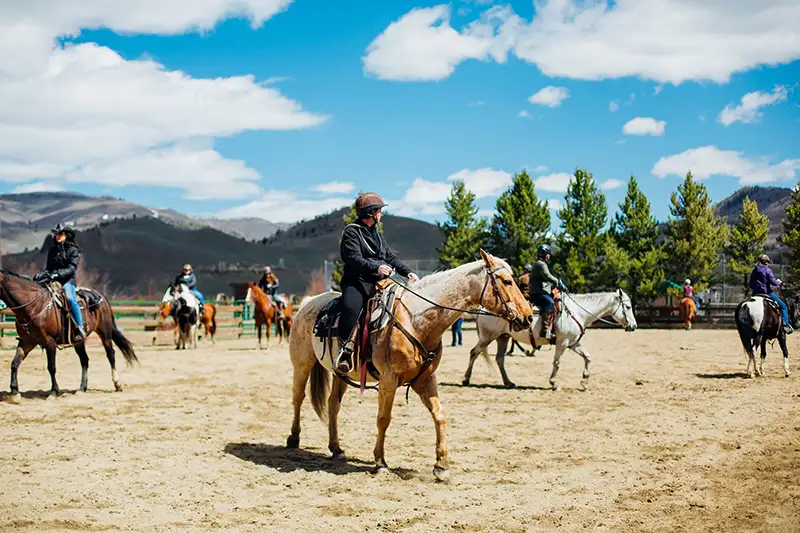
[[62, 260], [762, 280], [187, 279], [363, 250], [269, 283], [542, 280]]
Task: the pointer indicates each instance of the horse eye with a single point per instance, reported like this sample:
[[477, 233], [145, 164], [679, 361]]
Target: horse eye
[[507, 282]]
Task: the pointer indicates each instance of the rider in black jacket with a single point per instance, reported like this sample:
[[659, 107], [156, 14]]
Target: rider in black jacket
[[367, 259], [63, 259]]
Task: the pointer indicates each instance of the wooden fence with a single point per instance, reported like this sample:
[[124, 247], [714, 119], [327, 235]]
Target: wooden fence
[[139, 321]]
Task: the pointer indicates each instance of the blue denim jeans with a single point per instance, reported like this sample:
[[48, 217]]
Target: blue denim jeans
[[784, 309], [69, 288], [199, 296], [543, 301], [456, 330]]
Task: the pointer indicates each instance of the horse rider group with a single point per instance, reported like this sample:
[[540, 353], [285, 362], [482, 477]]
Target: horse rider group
[[187, 277], [537, 283]]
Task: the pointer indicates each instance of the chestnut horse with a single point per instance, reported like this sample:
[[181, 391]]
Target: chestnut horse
[[208, 319], [39, 323], [688, 312], [408, 350], [283, 323], [263, 310]]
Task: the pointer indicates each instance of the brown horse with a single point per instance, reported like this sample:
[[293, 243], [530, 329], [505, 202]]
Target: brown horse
[[688, 312], [283, 323], [408, 350], [39, 323], [164, 311], [263, 310]]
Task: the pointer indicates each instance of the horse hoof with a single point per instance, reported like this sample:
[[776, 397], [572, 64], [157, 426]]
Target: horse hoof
[[293, 442], [441, 474], [582, 387], [80, 391], [510, 385], [118, 386], [381, 470], [465, 383], [52, 396], [556, 388], [339, 456], [14, 398]]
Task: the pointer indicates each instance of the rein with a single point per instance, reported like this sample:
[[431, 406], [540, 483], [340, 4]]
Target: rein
[[598, 318]]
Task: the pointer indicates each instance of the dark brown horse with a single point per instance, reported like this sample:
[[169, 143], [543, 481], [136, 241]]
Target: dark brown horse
[[40, 323]]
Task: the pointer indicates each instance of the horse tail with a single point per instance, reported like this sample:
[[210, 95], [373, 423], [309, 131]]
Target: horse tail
[[123, 343], [745, 326], [319, 390]]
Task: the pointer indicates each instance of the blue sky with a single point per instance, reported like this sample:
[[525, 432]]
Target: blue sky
[[284, 109]]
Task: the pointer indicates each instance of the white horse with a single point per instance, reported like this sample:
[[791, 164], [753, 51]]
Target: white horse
[[578, 312], [186, 309]]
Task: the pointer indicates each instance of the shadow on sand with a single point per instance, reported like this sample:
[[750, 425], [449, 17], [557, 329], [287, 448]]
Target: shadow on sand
[[727, 375], [495, 386], [285, 460]]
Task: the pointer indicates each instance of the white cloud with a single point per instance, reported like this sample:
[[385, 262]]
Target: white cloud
[[667, 41], [334, 187], [644, 126], [708, 161], [524, 114], [286, 206], [422, 45], [550, 96], [539, 169], [611, 184], [554, 204], [80, 110], [747, 110], [483, 181], [37, 186], [613, 106], [557, 182]]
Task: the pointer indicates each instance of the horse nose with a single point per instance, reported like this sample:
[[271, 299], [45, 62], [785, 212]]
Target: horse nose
[[529, 320]]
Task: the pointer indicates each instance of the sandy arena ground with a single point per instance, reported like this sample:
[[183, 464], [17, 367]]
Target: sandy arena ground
[[669, 438]]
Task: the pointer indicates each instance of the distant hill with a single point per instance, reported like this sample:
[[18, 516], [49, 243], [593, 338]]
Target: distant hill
[[772, 201], [138, 257], [27, 217]]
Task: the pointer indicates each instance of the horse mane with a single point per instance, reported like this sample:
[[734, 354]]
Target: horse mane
[[437, 277]]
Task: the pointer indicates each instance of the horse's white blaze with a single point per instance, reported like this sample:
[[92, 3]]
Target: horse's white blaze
[[249, 298]]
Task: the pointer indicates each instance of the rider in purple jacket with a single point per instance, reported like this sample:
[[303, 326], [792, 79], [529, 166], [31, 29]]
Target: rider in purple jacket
[[761, 282]]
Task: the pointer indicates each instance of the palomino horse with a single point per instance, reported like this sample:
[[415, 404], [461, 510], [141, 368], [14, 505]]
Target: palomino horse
[[688, 312], [263, 310], [39, 323], [283, 322], [408, 350], [758, 320], [579, 311], [208, 319], [185, 311]]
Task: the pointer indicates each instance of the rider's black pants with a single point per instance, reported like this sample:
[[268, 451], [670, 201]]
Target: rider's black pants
[[355, 295]]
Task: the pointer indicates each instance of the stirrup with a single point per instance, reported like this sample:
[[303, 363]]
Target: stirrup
[[343, 363], [80, 334]]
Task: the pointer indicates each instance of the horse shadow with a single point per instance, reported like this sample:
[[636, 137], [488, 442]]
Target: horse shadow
[[287, 460], [495, 386], [724, 375], [45, 394]]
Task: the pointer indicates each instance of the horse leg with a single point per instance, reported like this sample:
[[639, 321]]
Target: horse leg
[[338, 388], [473, 355], [782, 342], [429, 394], [386, 391], [22, 352], [500, 359], [50, 348], [580, 350], [302, 370], [760, 369], [80, 349], [556, 363], [258, 327]]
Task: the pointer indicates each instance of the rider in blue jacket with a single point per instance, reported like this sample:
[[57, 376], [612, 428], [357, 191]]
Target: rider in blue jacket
[[761, 282]]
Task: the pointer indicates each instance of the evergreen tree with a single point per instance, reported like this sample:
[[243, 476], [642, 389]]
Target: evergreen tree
[[747, 239], [463, 232], [791, 236], [633, 256], [696, 235], [581, 241], [520, 223]]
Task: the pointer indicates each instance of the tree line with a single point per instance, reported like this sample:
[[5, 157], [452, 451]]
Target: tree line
[[593, 253]]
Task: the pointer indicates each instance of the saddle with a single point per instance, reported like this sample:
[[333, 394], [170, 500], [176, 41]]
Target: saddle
[[556, 294], [87, 300], [769, 301], [374, 317]]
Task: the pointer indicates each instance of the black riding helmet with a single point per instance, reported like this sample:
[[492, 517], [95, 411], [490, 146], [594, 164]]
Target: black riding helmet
[[62, 228], [543, 251]]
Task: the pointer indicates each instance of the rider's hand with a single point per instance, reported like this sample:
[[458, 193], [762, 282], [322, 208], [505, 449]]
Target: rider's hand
[[384, 270], [413, 277], [779, 281]]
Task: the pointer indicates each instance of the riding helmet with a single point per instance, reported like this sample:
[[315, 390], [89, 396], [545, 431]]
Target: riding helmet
[[543, 250], [764, 259], [368, 203], [63, 228], [528, 267]]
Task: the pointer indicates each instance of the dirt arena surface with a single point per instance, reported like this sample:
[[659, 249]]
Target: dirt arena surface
[[670, 437]]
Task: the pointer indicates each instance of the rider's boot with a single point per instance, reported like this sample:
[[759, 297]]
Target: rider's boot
[[547, 328], [788, 329], [344, 360]]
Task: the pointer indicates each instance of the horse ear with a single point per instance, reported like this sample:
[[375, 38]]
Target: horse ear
[[485, 256]]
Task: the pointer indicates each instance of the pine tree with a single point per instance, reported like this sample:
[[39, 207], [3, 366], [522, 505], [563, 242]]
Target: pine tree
[[520, 223], [581, 241], [349, 217], [634, 260], [747, 239], [791, 236], [463, 232], [696, 235]]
